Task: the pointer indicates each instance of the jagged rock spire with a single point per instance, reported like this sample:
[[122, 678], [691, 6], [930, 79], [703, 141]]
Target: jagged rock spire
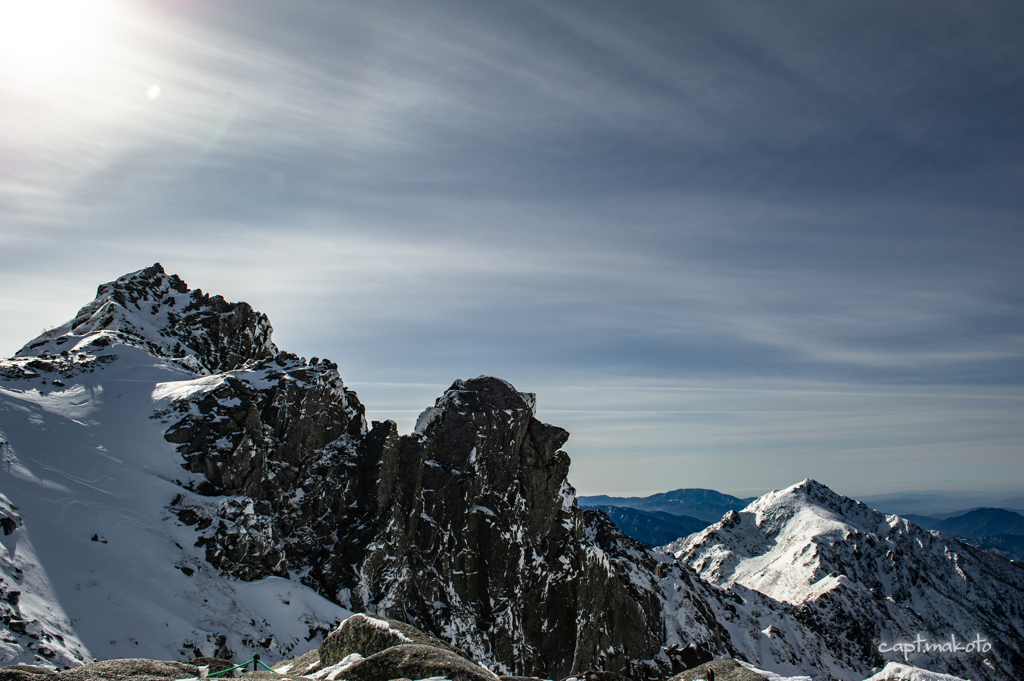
[[157, 312]]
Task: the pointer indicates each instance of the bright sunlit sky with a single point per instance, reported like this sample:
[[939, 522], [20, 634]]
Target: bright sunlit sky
[[728, 244]]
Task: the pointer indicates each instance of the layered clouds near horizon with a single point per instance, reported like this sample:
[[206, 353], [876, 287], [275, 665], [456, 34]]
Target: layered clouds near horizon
[[729, 245]]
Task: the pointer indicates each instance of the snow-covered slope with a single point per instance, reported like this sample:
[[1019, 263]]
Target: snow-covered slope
[[879, 581], [102, 566]]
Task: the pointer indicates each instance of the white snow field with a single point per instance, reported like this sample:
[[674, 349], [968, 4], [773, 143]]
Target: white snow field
[[103, 563]]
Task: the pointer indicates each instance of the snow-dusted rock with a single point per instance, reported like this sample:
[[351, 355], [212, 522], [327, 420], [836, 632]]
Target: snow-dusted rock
[[158, 313], [724, 669], [368, 635], [412, 661]]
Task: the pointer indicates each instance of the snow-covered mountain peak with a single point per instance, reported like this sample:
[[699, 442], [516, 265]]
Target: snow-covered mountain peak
[[774, 511], [158, 313], [846, 565]]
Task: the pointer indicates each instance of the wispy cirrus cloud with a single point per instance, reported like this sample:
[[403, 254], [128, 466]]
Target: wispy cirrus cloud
[[735, 194]]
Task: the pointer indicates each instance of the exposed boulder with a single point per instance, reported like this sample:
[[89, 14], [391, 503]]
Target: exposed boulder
[[725, 669], [213, 664], [413, 661], [26, 672], [129, 670], [368, 635], [592, 675], [300, 666]]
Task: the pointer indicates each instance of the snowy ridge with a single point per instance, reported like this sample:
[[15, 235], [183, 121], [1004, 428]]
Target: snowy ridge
[[774, 543], [137, 587]]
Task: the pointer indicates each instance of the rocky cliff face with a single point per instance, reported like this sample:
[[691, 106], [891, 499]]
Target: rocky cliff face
[[481, 541], [467, 528]]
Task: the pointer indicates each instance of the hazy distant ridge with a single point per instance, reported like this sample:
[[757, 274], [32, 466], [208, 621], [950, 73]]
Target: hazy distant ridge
[[704, 504]]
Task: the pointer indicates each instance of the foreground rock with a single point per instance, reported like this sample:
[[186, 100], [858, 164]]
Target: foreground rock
[[366, 636], [725, 669], [26, 672], [411, 661], [107, 670]]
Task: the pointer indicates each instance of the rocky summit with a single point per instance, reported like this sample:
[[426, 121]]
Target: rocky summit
[[174, 486]]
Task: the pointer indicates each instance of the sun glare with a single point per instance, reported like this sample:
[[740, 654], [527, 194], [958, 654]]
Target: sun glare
[[44, 35]]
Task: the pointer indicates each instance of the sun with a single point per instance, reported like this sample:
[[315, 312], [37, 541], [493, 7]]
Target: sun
[[45, 35]]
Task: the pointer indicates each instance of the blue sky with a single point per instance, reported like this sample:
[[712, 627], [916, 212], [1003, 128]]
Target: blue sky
[[729, 245]]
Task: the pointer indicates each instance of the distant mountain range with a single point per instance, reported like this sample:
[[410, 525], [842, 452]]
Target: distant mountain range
[[998, 530], [703, 504], [654, 528], [662, 518], [941, 504]]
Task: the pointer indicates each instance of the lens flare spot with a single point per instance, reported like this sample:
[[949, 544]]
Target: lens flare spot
[[50, 34]]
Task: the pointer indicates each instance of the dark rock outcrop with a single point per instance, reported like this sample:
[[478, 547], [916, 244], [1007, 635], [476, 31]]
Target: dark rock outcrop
[[467, 528], [476, 506], [252, 433]]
